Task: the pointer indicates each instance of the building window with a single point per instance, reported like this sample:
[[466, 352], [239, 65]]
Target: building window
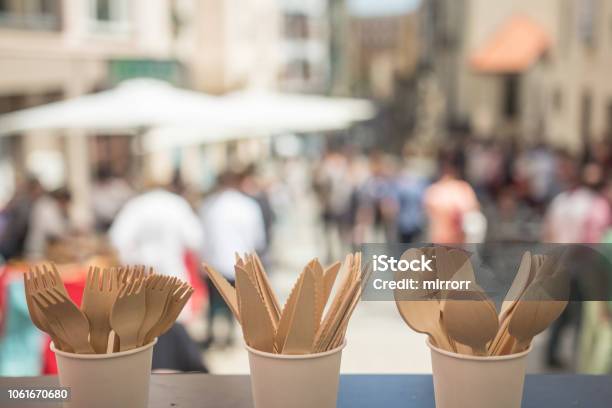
[[296, 26], [587, 22], [566, 24], [297, 70], [110, 16], [586, 110], [557, 100], [609, 119], [43, 15], [511, 96]]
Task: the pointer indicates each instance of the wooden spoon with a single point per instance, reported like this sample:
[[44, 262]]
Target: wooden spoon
[[422, 314], [534, 314], [420, 309], [470, 319], [524, 276], [450, 260]]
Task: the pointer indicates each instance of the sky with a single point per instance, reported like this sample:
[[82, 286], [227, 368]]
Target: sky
[[377, 8]]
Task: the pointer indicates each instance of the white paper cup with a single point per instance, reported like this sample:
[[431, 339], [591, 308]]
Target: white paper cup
[[477, 382], [296, 381], [106, 380]]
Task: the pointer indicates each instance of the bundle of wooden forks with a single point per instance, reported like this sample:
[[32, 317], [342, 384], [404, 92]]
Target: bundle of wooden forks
[[122, 308], [302, 326]]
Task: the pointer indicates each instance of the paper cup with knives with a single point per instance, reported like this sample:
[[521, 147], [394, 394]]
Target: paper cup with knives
[[294, 351], [479, 354], [104, 348]]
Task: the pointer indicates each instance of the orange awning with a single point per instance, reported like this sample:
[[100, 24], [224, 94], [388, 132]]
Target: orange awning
[[513, 48]]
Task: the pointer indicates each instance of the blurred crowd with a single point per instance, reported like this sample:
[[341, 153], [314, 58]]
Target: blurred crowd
[[469, 191], [473, 191]]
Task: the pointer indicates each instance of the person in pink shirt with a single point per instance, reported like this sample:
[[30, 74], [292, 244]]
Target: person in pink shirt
[[447, 202]]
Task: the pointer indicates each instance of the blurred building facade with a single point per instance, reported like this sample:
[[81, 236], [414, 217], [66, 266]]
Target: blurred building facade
[[54, 49], [382, 49], [231, 44], [305, 64], [519, 68]]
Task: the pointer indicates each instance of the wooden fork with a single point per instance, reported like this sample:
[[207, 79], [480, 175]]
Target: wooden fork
[[63, 314], [157, 290], [98, 297], [31, 282], [128, 312], [176, 301]]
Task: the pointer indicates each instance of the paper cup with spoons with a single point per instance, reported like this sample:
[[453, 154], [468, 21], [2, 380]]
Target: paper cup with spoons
[[479, 355], [118, 374], [294, 351]]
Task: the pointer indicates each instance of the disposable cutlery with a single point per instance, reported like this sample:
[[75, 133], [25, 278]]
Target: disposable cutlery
[[128, 313], [157, 289], [63, 314], [305, 324]]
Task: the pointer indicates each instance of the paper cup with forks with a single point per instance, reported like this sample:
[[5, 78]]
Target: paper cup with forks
[[476, 381], [106, 380], [297, 381]]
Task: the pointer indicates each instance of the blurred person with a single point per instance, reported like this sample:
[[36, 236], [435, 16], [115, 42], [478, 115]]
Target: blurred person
[[448, 202], [579, 214], [251, 186], [484, 167], [536, 168], [411, 219], [109, 194], [48, 222], [158, 229], [232, 223], [512, 220], [16, 219], [334, 191], [595, 352], [377, 201]]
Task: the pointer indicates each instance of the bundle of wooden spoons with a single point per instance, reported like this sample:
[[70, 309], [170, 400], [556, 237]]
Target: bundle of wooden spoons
[[307, 323], [467, 322], [122, 308]]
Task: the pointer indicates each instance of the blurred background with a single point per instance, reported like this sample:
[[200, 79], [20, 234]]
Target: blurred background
[[169, 132]]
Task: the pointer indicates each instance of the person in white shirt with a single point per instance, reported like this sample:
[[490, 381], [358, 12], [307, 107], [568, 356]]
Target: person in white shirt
[[232, 223], [157, 229]]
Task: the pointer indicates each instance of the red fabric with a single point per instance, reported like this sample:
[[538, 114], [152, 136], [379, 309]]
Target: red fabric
[[75, 290], [3, 275], [200, 291]]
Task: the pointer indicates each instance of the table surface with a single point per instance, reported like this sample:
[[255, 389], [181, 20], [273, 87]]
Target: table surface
[[356, 391]]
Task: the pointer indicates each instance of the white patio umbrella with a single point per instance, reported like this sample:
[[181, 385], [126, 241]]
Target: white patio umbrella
[[134, 104], [262, 113], [277, 111]]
